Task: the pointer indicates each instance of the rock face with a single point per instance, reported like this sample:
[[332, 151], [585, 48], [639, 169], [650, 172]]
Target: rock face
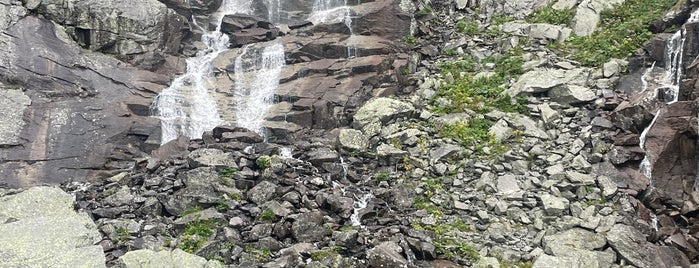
[[124, 27], [633, 247], [40, 229], [587, 15], [671, 149], [176, 258], [82, 106]]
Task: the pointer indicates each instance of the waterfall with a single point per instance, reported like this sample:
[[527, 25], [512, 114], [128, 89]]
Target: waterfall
[[673, 60], [274, 10], [187, 107], [358, 205], [334, 11], [670, 85], [646, 168], [257, 73]]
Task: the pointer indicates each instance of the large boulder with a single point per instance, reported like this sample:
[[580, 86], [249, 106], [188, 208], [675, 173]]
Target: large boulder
[[670, 147], [632, 246], [164, 259], [517, 8], [119, 27], [41, 229], [381, 110], [587, 15], [543, 80]]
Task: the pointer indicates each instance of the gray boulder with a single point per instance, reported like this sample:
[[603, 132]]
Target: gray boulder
[[381, 110], [517, 8], [119, 27], [587, 15], [542, 80], [209, 157], [633, 247], [164, 259], [554, 206], [386, 254], [561, 244], [352, 140], [262, 192], [41, 229], [308, 227], [572, 94]]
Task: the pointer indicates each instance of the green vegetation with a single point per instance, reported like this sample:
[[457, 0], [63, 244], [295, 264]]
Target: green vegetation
[[224, 176], [508, 264], [474, 134], [263, 162], [195, 235], [345, 229], [467, 28], [122, 235], [423, 12], [447, 243], [551, 16], [227, 172], [194, 209], [452, 248], [495, 22], [321, 255], [222, 205], [480, 92], [431, 187], [593, 202], [410, 40], [267, 215], [382, 176], [236, 196], [621, 31], [261, 254]]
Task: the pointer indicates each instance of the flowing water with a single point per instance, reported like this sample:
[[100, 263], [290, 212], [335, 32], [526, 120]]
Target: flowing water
[[669, 89], [358, 205], [334, 11], [257, 71], [187, 107]]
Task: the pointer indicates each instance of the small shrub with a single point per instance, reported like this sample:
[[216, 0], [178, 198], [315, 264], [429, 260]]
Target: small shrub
[[382, 176], [423, 12], [261, 255], [195, 235], [263, 162], [410, 40], [267, 215], [551, 16], [468, 28], [321, 255]]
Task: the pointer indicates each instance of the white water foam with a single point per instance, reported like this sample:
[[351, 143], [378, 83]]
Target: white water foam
[[334, 11], [673, 59], [358, 205], [257, 73], [671, 85], [187, 107]]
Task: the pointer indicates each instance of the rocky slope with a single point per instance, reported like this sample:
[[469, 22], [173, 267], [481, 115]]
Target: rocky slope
[[371, 158]]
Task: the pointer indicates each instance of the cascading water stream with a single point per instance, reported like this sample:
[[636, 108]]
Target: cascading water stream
[[257, 73], [670, 85], [357, 206], [334, 11], [187, 107]]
